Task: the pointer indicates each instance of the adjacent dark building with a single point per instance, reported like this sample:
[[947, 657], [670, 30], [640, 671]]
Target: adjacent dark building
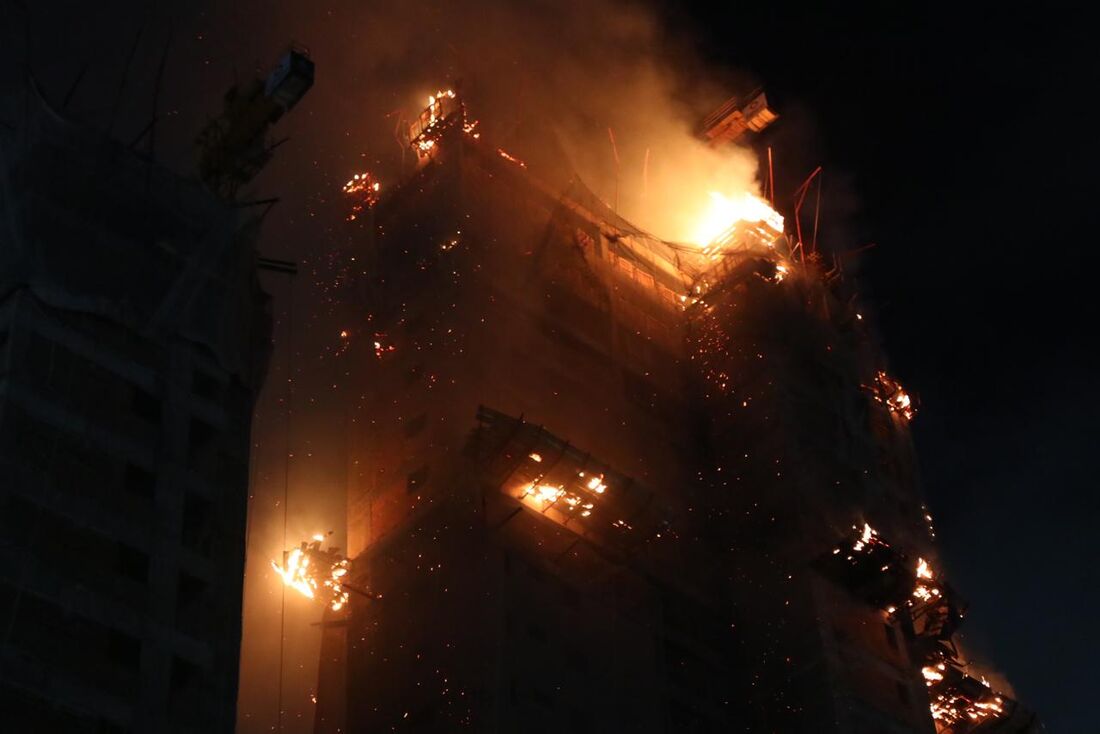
[[134, 337]]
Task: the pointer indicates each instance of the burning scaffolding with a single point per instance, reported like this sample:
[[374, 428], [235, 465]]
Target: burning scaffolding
[[886, 577], [737, 222], [362, 191], [315, 573], [445, 110]]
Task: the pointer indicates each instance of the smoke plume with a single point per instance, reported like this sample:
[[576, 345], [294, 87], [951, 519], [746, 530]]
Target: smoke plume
[[599, 89]]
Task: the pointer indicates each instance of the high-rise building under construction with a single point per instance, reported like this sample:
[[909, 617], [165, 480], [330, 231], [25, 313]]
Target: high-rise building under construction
[[603, 482]]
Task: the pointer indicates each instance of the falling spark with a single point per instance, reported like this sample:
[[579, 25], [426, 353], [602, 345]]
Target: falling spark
[[508, 157]]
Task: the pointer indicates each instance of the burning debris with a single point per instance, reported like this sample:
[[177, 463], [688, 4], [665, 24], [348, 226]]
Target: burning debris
[[886, 577], [444, 110], [315, 573], [382, 347], [362, 192], [889, 392], [958, 702]]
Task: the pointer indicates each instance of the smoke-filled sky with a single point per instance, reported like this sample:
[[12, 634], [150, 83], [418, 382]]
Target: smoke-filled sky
[[950, 143]]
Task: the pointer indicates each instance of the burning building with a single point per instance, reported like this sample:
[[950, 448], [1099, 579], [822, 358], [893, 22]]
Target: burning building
[[597, 479], [134, 337]]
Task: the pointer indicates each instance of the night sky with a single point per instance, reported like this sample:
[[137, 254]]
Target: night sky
[[956, 145], [960, 148]]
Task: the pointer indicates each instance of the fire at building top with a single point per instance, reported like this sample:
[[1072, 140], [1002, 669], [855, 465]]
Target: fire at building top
[[732, 374], [738, 223]]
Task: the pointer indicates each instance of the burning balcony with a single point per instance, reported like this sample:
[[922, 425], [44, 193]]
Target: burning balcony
[[962, 704], [548, 476], [316, 573], [872, 569], [882, 575]]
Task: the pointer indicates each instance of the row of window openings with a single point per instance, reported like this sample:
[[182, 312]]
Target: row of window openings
[[133, 563], [121, 648]]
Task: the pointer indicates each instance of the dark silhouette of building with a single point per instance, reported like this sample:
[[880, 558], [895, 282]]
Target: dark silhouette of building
[[134, 337], [601, 482]]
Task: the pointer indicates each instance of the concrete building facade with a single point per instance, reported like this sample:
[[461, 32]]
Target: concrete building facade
[[133, 340], [736, 424]]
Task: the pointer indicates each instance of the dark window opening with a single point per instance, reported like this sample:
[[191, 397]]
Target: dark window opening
[[183, 672], [140, 482], [145, 406], [903, 693], [132, 563], [205, 385], [891, 637], [200, 436], [188, 591], [124, 649], [196, 517]]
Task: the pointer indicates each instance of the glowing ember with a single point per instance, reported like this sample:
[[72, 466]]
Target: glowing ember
[[725, 212], [933, 674], [506, 156], [362, 190], [535, 457], [544, 493], [596, 485], [951, 703], [381, 348], [576, 499], [315, 573], [889, 392], [868, 537]]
